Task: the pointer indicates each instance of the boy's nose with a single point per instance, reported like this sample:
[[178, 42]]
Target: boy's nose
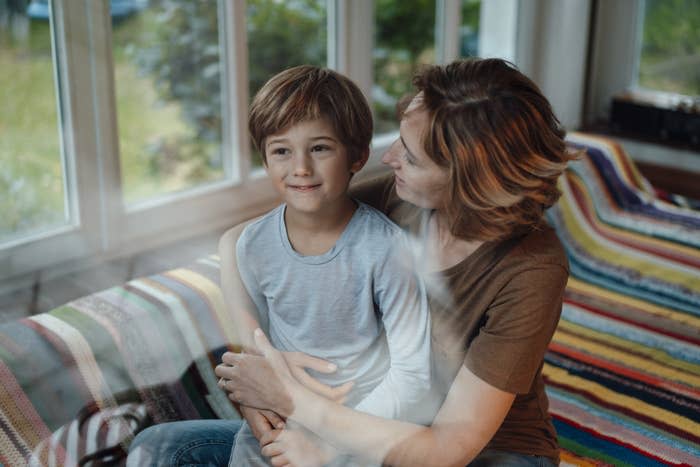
[[390, 157], [302, 165]]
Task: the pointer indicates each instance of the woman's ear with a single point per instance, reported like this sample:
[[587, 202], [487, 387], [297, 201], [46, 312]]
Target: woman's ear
[[360, 162]]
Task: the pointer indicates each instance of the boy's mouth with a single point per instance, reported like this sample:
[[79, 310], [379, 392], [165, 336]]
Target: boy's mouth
[[303, 188]]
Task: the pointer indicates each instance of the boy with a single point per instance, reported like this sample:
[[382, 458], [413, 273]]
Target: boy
[[323, 270]]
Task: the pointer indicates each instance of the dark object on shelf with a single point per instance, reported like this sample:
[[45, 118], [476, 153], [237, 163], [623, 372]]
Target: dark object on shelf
[[657, 116]]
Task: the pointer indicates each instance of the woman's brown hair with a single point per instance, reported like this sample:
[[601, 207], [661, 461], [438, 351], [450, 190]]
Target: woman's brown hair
[[497, 135]]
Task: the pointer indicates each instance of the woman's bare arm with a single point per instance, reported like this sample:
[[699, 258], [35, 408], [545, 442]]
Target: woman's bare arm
[[467, 420]]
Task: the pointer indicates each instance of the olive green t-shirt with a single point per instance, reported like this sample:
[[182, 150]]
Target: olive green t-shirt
[[496, 315]]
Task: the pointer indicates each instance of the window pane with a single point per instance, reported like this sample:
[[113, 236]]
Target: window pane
[[32, 182], [404, 38], [670, 53], [168, 84], [282, 35], [469, 29]]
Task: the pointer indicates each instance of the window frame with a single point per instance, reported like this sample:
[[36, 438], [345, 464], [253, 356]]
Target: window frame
[[104, 226], [615, 54]]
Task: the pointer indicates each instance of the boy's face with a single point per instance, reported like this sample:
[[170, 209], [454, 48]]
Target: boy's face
[[309, 166]]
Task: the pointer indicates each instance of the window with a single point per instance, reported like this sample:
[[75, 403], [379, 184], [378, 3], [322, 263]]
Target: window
[[669, 47], [650, 47], [282, 35], [33, 179], [125, 123], [469, 29], [404, 38], [167, 72]]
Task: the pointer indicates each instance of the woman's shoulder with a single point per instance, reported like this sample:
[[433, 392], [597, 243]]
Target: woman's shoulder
[[540, 246]]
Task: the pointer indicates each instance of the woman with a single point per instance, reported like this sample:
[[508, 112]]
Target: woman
[[475, 166]]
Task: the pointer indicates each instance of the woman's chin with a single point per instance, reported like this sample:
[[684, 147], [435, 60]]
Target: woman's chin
[[414, 198]]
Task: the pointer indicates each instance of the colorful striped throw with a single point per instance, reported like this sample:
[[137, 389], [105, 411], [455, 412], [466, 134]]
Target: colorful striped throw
[[623, 369]]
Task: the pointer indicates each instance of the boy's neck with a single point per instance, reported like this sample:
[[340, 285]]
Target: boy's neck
[[315, 233]]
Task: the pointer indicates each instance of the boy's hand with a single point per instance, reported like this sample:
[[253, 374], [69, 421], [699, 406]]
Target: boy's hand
[[261, 421], [297, 363], [297, 447]]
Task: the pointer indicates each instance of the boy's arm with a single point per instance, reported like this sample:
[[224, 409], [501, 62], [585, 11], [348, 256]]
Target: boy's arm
[[238, 303], [403, 303], [245, 318]]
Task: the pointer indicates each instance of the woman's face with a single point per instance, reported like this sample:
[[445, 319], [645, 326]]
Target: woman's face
[[419, 180]]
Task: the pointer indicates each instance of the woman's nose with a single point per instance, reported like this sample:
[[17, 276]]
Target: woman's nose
[[390, 156]]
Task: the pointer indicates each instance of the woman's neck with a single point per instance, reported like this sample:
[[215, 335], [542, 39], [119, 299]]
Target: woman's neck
[[443, 249]]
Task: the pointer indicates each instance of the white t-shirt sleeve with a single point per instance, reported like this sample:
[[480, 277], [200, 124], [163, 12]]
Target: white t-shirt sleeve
[[402, 300]]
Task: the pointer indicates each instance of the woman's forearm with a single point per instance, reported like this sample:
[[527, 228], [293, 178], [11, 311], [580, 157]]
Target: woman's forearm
[[467, 420], [375, 439]]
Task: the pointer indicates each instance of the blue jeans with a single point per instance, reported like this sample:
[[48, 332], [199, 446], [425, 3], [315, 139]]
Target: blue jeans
[[209, 443], [186, 443], [494, 457]]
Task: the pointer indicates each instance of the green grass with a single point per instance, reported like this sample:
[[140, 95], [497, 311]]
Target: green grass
[[31, 179]]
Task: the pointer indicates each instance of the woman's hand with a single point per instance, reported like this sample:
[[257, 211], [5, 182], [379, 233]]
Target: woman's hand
[[264, 382], [289, 365], [298, 362]]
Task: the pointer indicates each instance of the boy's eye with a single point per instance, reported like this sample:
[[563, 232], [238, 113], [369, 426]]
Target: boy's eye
[[280, 151], [320, 148]]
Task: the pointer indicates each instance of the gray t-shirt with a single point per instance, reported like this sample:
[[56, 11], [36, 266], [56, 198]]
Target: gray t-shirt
[[358, 305]]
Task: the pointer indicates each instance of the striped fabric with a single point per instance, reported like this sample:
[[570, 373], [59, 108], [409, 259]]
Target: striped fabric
[[156, 338], [623, 370]]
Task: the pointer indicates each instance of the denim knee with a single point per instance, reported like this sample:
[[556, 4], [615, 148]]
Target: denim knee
[[191, 442]]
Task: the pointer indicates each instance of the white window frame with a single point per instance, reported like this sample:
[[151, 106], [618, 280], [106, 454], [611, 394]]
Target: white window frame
[[105, 228], [615, 54]]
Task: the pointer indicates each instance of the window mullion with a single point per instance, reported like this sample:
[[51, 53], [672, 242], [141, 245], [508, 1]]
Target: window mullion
[[336, 46], [103, 112], [447, 22], [80, 134], [236, 144], [356, 42]]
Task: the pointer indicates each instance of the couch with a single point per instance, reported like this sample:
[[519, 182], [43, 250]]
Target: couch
[[622, 372]]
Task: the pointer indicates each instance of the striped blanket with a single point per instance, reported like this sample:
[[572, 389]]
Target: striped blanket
[[623, 369], [107, 351], [622, 372]]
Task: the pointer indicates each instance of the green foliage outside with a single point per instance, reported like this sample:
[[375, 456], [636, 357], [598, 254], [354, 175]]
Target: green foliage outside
[[162, 149], [670, 59], [178, 46], [404, 39], [31, 186]]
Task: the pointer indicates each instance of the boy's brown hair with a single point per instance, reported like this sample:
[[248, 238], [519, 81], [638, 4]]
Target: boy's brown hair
[[304, 93], [494, 131]]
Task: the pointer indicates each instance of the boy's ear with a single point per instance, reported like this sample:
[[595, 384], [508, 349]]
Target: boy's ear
[[360, 162]]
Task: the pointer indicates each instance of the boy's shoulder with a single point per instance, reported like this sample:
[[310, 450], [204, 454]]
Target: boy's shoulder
[[261, 228], [376, 224]]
